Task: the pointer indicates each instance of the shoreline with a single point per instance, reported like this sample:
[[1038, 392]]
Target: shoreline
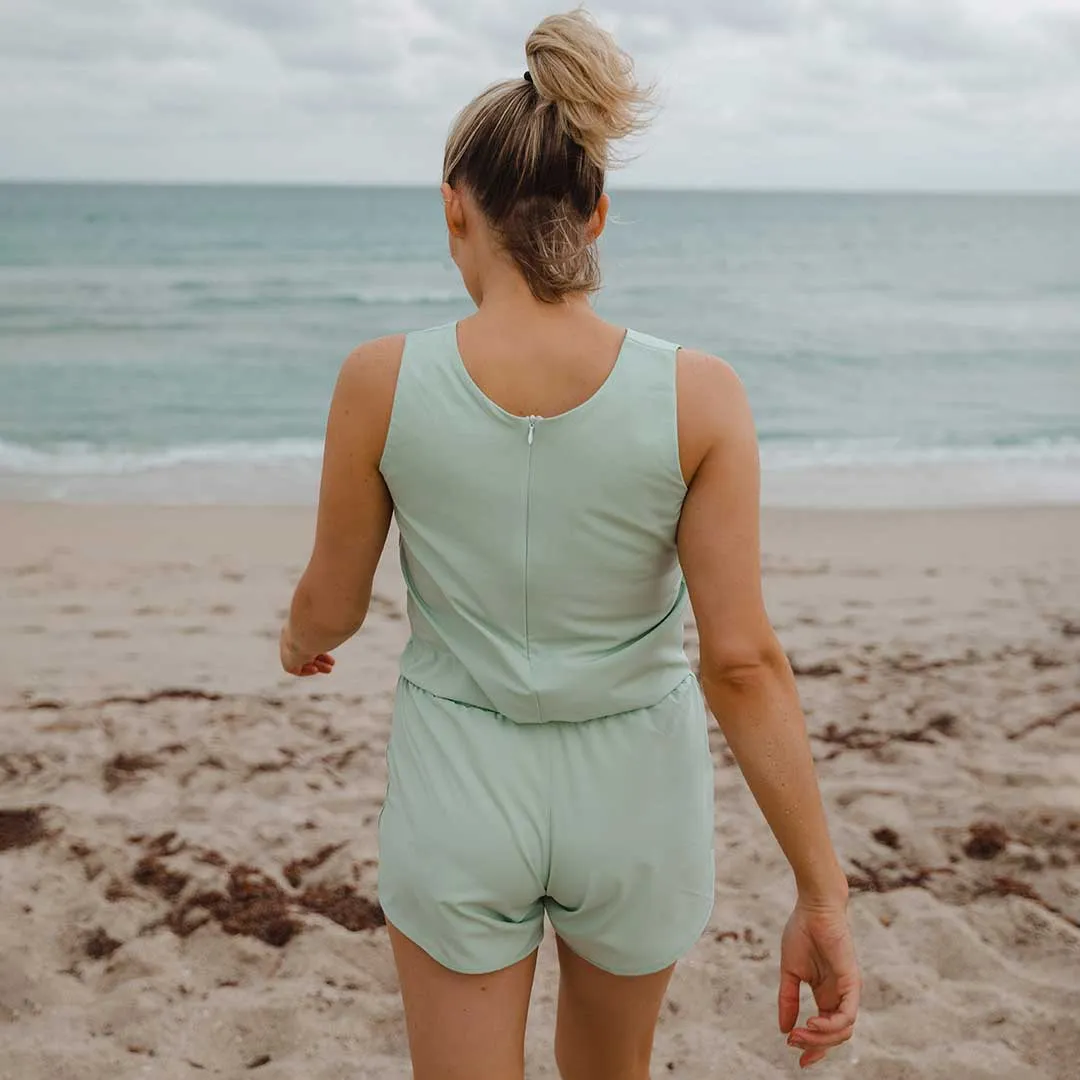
[[286, 473]]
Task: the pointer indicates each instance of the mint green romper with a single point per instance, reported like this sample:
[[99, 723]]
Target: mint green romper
[[549, 749]]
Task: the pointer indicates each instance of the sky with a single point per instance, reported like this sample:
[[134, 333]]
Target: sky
[[977, 95]]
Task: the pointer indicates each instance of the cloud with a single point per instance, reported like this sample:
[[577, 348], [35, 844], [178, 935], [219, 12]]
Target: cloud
[[920, 31], [775, 93]]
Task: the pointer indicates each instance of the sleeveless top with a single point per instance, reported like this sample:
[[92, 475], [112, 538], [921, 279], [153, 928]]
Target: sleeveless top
[[539, 552]]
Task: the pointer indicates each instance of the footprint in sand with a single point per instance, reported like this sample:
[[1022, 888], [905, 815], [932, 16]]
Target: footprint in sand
[[28, 569], [109, 634]]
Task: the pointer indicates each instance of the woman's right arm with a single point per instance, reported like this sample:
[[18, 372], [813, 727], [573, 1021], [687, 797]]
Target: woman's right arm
[[750, 689]]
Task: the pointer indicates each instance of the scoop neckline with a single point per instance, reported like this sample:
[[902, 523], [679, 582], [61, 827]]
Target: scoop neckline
[[495, 407]]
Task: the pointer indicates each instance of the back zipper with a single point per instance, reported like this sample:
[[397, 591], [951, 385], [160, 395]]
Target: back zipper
[[528, 499]]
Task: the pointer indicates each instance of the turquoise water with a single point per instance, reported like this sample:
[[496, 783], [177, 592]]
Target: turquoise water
[[181, 343]]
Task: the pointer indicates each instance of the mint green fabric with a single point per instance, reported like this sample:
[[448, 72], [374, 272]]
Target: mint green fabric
[[539, 554], [606, 826], [549, 751]]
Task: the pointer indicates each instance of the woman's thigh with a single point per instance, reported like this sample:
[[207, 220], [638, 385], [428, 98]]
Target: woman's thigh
[[606, 1022], [463, 1027]]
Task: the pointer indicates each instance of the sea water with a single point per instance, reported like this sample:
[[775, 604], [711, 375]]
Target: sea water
[[180, 344]]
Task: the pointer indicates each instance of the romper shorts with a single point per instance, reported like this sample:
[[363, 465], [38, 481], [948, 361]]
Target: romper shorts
[[605, 824]]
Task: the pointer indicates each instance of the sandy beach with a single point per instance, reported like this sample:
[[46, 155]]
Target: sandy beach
[[187, 836]]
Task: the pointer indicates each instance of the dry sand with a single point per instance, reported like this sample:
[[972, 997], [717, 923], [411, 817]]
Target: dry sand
[[187, 837]]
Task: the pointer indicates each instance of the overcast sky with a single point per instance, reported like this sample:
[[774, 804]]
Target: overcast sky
[[919, 94]]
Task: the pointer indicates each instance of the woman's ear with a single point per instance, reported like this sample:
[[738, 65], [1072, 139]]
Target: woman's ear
[[599, 217], [454, 210]]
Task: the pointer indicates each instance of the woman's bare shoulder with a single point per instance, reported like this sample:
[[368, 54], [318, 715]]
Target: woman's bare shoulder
[[712, 406], [702, 372], [365, 389], [374, 362]]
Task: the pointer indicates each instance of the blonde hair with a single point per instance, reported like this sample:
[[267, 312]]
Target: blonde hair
[[534, 151]]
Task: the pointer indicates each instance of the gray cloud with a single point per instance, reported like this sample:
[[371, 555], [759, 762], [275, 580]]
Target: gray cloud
[[509, 25], [335, 36], [744, 16], [921, 31], [57, 32], [838, 93]]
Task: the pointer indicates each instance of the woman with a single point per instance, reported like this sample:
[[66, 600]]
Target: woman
[[561, 486]]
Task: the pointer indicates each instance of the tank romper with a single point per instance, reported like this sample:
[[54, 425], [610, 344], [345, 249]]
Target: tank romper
[[549, 748]]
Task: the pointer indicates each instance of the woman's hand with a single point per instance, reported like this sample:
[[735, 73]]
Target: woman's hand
[[817, 950], [297, 663]]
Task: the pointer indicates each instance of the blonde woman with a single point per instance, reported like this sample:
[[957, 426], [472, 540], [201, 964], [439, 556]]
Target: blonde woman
[[562, 487]]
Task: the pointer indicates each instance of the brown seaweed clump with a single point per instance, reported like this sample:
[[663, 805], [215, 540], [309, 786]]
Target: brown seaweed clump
[[21, 828], [253, 904], [344, 905], [889, 838], [151, 872], [987, 840], [99, 944], [295, 870], [122, 768]]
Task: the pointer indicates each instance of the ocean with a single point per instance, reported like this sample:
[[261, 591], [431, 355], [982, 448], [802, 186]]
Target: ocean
[[180, 344]]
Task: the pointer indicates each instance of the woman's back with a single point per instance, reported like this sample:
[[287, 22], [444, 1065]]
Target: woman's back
[[539, 551]]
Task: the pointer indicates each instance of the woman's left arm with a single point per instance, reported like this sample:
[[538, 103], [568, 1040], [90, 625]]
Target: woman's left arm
[[332, 597]]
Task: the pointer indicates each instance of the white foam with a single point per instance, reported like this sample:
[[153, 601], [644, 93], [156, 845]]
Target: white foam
[[82, 459], [844, 473], [889, 453]]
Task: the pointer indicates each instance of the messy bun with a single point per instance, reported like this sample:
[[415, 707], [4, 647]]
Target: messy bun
[[578, 66], [533, 151]]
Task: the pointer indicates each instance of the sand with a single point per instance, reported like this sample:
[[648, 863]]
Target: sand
[[187, 836]]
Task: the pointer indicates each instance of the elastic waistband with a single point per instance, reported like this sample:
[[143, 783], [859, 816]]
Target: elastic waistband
[[681, 687]]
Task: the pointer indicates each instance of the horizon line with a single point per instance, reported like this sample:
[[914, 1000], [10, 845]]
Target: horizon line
[[348, 185]]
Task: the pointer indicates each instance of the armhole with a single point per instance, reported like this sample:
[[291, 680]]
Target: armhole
[[676, 349], [394, 404]]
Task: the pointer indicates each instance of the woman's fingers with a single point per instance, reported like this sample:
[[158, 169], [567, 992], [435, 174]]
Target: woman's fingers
[[811, 1057], [323, 664], [845, 993], [788, 1000], [829, 1028], [810, 1040], [827, 1023]]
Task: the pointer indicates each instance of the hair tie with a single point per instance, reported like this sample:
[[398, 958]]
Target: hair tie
[[528, 76]]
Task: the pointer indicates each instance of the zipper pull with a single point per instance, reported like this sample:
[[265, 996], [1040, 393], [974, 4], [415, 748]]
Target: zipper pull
[[532, 428]]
